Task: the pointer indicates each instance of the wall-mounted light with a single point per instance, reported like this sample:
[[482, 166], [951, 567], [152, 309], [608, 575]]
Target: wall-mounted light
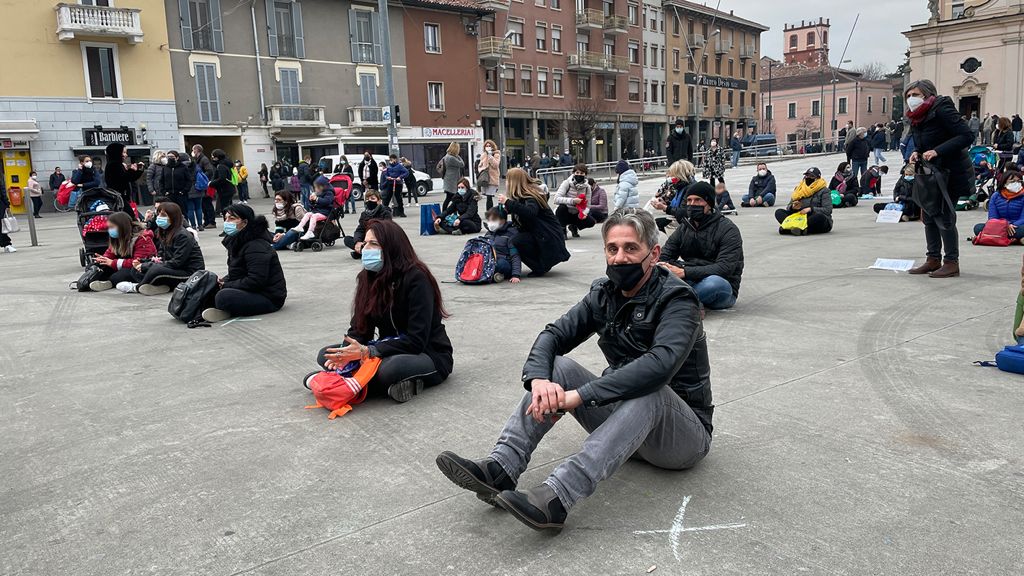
[[124, 128], [98, 126]]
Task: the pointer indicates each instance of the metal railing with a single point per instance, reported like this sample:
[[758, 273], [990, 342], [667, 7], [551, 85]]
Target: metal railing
[[695, 41], [369, 116], [615, 23], [493, 48], [723, 110], [597, 61], [98, 21], [590, 18], [722, 46], [296, 116], [747, 51]]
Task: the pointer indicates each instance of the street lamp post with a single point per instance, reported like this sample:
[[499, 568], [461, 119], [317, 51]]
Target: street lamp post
[[699, 90], [501, 102]]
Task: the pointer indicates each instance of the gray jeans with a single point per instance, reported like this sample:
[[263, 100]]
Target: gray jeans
[[658, 428]]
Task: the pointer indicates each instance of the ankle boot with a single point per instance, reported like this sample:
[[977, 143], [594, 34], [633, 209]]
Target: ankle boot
[[948, 270], [930, 265]]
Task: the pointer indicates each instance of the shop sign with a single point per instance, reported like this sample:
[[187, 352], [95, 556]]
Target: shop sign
[[7, 143], [716, 81], [94, 137], [468, 132]]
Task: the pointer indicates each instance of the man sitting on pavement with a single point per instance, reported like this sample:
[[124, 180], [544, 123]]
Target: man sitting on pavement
[[652, 402], [706, 250], [762, 188]]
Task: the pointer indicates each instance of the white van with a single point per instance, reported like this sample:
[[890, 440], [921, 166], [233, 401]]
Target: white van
[[330, 165]]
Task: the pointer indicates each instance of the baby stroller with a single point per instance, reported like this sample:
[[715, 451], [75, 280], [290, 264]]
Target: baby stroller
[[327, 231], [342, 184], [93, 206], [985, 160]]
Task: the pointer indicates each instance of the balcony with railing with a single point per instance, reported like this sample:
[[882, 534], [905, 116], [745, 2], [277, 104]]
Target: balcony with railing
[[723, 46], [296, 116], [747, 112], [590, 19], [362, 117], [614, 24], [492, 48], [597, 62], [723, 111], [747, 51], [496, 5], [105, 21], [694, 41]]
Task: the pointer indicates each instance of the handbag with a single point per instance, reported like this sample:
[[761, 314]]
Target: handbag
[[483, 178], [929, 189], [796, 221], [428, 213], [10, 223], [92, 273]]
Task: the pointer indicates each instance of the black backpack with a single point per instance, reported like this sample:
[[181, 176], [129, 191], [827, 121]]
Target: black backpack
[[192, 295]]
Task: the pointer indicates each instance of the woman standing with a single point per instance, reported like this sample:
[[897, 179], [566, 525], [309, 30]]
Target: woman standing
[[175, 181], [221, 180], [714, 164], [264, 175], [397, 316], [489, 162], [541, 239], [119, 175], [451, 167], [129, 243], [35, 192], [278, 177], [5, 205], [942, 138], [152, 173]]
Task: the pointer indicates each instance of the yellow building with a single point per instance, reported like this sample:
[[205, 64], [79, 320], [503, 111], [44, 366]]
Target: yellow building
[[77, 76]]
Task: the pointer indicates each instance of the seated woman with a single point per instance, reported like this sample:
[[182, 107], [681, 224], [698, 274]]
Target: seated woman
[[671, 199], [287, 214], [572, 200], [129, 243], [255, 282], [1007, 204], [462, 215], [373, 210], [541, 239], [598, 201], [811, 197], [901, 195], [178, 254], [397, 317], [845, 182], [321, 202]]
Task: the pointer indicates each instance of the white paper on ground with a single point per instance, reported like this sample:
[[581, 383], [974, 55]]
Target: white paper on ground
[[890, 264], [889, 216]]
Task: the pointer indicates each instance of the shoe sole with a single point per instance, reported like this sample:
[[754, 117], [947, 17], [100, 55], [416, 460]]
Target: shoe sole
[[100, 285], [538, 526], [405, 390], [153, 289], [464, 479], [215, 315]]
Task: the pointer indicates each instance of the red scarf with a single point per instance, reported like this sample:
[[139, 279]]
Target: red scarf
[[916, 116]]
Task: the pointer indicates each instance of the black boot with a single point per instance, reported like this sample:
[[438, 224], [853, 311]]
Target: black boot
[[485, 477], [539, 508]]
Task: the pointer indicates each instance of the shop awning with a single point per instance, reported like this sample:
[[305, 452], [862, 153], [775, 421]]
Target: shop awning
[[18, 130], [99, 150]]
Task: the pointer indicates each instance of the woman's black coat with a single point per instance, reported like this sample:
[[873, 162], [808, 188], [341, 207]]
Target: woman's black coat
[[944, 131], [466, 207], [253, 265], [540, 222]]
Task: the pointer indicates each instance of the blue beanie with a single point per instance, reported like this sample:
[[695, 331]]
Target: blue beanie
[[621, 167], [322, 181]]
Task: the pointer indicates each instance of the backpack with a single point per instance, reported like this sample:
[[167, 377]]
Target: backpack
[[202, 180], [191, 296], [483, 178], [995, 233], [1009, 359], [338, 390], [92, 273], [837, 198], [477, 263], [440, 168]]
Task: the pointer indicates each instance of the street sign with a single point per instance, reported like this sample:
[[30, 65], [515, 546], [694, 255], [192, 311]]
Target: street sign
[[386, 113]]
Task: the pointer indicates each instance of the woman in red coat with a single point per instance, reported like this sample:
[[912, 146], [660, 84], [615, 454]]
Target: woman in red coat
[[129, 244]]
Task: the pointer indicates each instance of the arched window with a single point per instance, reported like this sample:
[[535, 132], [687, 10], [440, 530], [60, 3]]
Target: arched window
[[824, 37]]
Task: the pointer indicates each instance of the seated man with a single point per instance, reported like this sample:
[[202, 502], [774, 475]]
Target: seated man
[[706, 250], [762, 188], [652, 402]]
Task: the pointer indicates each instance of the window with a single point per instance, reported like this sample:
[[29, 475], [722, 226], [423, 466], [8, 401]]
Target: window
[[582, 43], [675, 25], [609, 47], [718, 97], [647, 97], [654, 92], [634, 90], [285, 29], [743, 99], [885, 104], [526, 80], [609, 88], [516, 38], [810, 38], [730, 98], [731, 73], [768, 112], [290, 94], [704, 97], [101, 70], [583, 86], [842, 105], [556, 4], [869, 103], [542, 82], [94, 2], [608, 7], [368, 98], [653, 62], [792, 42], [491, 79], [363, 28], [675, 59], [556, 40], [556, 83], [815, 108], [824, 38], [199, 17], [541, 3], [432, 38], [207, 93], [633, 51], [792, 110], [542, 37], [958, 9], [634, 14], [718, 65], [435, 96], [675, 94], [663, 100], [510, 78], [654, 20], [753, 72]]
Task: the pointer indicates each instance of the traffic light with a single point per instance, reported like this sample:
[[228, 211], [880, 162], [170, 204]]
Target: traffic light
[[398, 114]]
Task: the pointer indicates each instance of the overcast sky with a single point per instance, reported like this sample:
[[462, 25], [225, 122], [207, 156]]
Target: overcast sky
[[877, 37]]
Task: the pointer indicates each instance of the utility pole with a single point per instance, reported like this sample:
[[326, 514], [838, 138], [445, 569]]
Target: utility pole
[[389, 82], [505, 42]]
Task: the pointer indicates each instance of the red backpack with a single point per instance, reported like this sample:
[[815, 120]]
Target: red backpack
[[338, 393], [473, 269], [995, 233]]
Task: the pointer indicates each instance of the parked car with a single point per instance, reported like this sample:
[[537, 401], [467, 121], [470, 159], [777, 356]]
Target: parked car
[[760, 145], [329, 165]]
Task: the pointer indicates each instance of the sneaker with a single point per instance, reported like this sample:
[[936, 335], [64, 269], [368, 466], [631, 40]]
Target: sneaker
[[152, 289], [100, 285], [539, 508], [798, 231], [215, 315], [307, 236], [498, 277], [128, 287], [10, 249], [405, 390], [484, 477]]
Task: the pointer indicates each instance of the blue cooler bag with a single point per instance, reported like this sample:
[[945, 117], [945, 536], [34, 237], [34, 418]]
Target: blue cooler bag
[[428, 212], [1010, 359]]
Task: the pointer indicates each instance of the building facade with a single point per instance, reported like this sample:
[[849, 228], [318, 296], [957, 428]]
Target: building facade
[[655, 119], [714, 85], [113, 85], [974, 52], [806, 44]]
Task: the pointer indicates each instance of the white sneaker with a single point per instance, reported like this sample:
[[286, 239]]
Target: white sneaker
[[152, 289], [10, 249], [307, 236], [215, 315], [100, 285], [128, 287], [297, 229]]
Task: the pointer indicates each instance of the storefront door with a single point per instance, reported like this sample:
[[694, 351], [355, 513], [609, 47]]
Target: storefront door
[[17, 164]]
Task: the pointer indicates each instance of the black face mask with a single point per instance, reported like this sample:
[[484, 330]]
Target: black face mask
[[578, 179], [625, 277], [371, 205], [695, 213], [809, 181]]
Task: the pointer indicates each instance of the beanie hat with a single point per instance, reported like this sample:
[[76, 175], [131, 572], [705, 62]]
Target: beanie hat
[[322, 181], [702, 190], [621, 166], [679, 121]]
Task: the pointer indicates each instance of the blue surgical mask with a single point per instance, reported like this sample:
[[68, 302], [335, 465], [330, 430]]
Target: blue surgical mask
[[909, 178], [113, 232], [372, 260], [163, 222], [230, 228]]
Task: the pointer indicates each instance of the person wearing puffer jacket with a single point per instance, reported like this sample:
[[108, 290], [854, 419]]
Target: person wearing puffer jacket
[[573, 201], [598, 201], [626, 194], [1007, 204], [761, 191]]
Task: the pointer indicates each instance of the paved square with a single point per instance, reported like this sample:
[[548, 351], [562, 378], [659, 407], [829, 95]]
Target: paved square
[[852, 434]]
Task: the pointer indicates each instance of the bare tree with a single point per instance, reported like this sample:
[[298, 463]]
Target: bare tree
[[872, 71], [806, 126], [584, 115]]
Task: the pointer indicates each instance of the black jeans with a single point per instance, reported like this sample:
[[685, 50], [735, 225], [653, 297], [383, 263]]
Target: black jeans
[[5, 240], [266, 193], [447, 200], [466, 226], [530, 251], [224, 200], [816, 223], [940, 232], [128, 274], [37, 204], [569, 216], [241, 303], [209, 214], [395, 369], [392, 191], [162, 275]]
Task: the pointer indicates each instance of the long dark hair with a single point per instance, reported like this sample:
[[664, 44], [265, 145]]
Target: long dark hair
[[375, 291], [127, 229], [173, 213]]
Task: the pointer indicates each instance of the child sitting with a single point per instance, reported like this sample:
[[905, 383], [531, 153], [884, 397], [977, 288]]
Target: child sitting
[[722, 199], [509, 264], [901, 196], [321, 201]]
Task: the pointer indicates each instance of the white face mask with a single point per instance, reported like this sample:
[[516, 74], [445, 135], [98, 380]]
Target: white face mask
[[163, 161], [762, 173], [489, 149], [914, 102], [1014, 187], [493, 225], [279, 205], [88, 164]]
